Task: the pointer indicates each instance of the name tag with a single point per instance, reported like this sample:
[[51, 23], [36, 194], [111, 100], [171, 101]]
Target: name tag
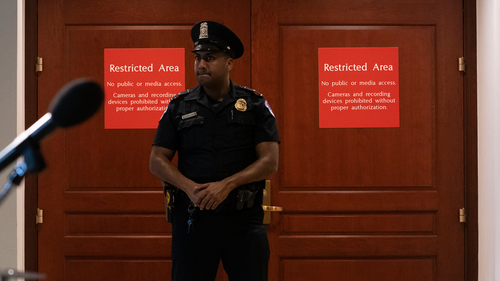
[[189, 115]]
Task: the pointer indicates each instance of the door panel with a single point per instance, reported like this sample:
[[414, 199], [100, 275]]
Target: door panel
[[119, 151], [382, 157], [104, 212], [391, 270], [365, 203]]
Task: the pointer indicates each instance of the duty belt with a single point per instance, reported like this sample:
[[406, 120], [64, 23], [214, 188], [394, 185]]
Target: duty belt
[[240, 198]]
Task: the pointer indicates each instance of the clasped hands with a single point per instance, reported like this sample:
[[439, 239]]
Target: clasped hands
[[208, 196]]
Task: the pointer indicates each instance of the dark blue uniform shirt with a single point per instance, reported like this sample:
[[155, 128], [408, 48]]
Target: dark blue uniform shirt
[[216, 142]]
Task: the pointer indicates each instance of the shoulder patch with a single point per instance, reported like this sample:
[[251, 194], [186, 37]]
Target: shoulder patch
[[269, 108], [252, 91]]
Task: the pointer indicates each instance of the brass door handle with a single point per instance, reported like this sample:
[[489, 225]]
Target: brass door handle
[[266, 202], [272, 208]]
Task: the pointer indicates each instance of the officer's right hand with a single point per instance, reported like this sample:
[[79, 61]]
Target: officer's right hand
[[195, 195], [211, 195]]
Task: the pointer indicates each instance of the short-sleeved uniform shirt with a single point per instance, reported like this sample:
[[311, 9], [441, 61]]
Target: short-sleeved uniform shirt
[[216, 142]]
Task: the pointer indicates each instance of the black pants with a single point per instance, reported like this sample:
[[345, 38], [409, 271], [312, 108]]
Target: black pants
[[237, 238]]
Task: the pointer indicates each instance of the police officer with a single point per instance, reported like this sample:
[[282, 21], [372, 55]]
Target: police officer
[[227, 144]]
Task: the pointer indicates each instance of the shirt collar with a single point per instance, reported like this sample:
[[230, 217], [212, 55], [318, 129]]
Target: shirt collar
[[198, 94]]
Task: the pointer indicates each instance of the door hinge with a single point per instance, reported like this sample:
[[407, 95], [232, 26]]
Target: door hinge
[[461, 64], [462, 217], [39, 216], [39, 64]]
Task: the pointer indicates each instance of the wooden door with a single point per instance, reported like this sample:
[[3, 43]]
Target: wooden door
[[365, 203], [360, 204], [103, 209]]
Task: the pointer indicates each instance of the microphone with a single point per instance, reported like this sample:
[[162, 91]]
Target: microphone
[[73, 104]]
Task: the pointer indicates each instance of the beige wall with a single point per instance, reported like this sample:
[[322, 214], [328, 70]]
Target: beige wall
[[488, 75], [8, 127]]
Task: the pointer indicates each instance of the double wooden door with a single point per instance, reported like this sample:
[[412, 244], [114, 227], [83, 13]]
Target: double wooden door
[[359, 203]]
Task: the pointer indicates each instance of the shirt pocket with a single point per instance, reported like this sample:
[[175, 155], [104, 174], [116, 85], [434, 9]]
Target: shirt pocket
[[241, 127], [191, 132]]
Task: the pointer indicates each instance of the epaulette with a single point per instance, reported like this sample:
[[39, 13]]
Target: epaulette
[[180, 94], [252, 91]]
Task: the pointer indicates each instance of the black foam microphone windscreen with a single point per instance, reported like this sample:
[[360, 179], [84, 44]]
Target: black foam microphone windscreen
[[76, 102]]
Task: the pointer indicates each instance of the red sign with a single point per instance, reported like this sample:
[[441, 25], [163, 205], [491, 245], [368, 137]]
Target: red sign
[[358, 87], [138, 85]]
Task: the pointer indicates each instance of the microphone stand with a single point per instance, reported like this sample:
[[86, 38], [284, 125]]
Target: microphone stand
[[11, 273], [33, 162]]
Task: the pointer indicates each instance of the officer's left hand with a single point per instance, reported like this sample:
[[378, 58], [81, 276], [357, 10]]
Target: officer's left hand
[[210, 197]]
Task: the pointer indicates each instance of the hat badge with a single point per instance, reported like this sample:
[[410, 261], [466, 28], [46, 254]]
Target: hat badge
[[203, 30]]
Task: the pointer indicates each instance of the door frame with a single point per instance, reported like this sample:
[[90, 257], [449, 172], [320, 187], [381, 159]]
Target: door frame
[[30, 117], [470, 135], [470, 146]]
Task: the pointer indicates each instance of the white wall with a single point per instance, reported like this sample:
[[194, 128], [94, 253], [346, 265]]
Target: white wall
[[8, 128], [488, 80]]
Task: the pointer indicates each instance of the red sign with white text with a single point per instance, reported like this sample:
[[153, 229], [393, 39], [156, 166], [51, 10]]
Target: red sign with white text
[[358, 87], [138, 85]]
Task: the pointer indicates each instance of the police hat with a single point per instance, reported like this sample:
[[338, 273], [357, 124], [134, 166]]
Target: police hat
[[213, 36]]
